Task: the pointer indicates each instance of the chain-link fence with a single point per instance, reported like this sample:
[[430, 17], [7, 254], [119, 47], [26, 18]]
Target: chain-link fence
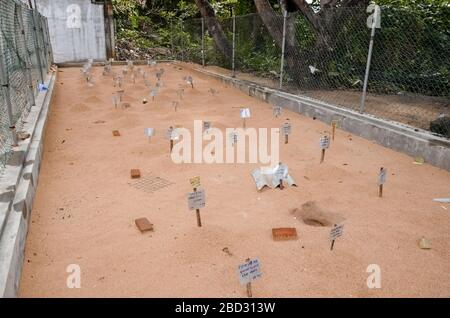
[[403, 75], [25, 58]]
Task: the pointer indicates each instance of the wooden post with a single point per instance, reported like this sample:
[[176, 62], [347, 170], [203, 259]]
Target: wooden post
[[249, 284], [197, 212], [322, 158], [332, 242], [244, 124], [281, 184], [333, 129], [286, 138], [380, 186]]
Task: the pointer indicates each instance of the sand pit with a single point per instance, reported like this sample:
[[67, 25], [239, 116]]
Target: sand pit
[[86, 204]]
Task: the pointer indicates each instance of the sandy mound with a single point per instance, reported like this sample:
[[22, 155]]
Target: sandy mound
[[80, 107], [313, 215], [93, 100]]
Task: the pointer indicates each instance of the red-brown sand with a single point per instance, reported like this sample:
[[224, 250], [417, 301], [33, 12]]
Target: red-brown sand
[[86, 205]]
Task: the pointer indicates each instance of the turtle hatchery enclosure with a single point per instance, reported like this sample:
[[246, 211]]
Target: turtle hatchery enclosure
[[157, 180]]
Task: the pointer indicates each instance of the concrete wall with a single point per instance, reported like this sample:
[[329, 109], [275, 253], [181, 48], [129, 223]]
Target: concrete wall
[[77, 29], [17, 188]]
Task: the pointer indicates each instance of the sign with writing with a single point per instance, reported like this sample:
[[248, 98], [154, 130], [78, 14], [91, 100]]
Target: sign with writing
[[154, 92], [336, 232], [172, 134], [276, 111], [324, 142], [287, 129], [206, 125], [245, 113], [149, 132], [249, 271], [382, 176], [233, 137], [281, 172], [195, 182], [196, 200]]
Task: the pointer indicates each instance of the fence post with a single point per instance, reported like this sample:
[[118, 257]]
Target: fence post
[[171, 40], [283, 45], [7, 97], [27, 55], [36, 45], [233, 53], [203, 42], [369, 58], [182, 41]]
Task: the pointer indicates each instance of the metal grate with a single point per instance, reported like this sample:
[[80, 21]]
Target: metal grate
[[150, 183]]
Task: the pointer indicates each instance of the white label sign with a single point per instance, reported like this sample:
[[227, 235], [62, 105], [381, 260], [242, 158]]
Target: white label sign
[[149, 132], [172, 134], [206, 125], [287, 129], [281, 172], [245, 113], [276, 110], [249, 271], [382, 176], [154, 92], [233, 137], [324, 142], [336, 232], [196, 200]]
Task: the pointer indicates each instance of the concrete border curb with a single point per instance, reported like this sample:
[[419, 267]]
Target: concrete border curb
[[403, 138], [17, 188]]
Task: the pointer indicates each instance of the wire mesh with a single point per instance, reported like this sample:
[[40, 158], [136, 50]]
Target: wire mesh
[[20, 68], [325, 58]]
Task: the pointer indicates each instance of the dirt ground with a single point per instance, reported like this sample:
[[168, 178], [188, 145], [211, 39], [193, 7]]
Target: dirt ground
[[86, 204], [410, 109]]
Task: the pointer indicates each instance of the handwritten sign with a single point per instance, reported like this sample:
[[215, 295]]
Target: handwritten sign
[[287, 129], [172, 134], [276, 111], [196, 200], [281, 172], [382, 176], [249, 271], [324, 142], [206, 125], [245, 113], [336, 232], [233, 137], [154, 92], [195, 182]]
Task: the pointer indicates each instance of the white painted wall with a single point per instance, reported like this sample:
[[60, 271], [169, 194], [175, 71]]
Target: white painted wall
[[77, 30]]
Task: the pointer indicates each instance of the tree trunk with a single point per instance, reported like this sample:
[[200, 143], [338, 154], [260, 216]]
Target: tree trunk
[[274, 24], [214, 27]]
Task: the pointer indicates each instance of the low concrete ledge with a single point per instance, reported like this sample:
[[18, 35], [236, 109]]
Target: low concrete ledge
[[17, 189], [403, 138]]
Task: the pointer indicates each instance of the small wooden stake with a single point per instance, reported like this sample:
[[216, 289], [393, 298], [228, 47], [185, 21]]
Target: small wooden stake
[[249, 284], [333, 129], [171, 145], [244, 124], [197, 212], [380, 186], [281, 184], [322, 158], [286, 139], [332, 242]]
